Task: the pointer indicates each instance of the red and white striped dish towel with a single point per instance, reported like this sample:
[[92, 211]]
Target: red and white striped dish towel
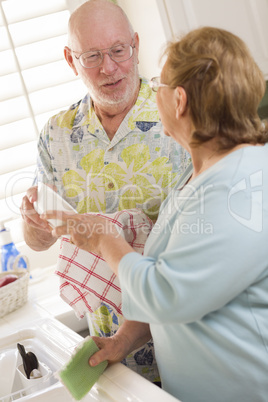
[[86, 280]]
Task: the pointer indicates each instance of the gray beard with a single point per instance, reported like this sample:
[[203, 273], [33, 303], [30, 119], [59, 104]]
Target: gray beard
[[104, 99]]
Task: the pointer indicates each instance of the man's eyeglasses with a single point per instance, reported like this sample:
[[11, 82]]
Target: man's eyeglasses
[[155, 84], [118, 53]]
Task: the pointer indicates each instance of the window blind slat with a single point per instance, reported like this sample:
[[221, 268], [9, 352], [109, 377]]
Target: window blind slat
[[16, 133], [31, 9], [14, 183], [56, 97], [13, 109], [10, 207], [4, 42], [10, 86], [7, 63], [18, 157], [42, 52], [1, 20], [43, 28], [52, 74]]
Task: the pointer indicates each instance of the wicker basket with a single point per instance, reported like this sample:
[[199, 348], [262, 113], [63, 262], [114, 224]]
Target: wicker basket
[[15, 294]]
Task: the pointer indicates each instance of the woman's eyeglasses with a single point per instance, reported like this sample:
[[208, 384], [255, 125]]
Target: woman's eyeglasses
[[155, 84]]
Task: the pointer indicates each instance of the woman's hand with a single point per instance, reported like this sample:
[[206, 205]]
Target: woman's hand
[[112, 349], [130, 336], [86, 231], [92, 233]]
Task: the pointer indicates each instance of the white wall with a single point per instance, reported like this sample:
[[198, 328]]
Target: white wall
[[146, 20], [245, 18], [159, 20], [73, 4]]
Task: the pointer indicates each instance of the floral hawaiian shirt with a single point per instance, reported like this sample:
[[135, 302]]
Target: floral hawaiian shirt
[[136, 169]]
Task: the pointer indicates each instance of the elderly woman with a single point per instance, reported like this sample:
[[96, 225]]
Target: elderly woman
[[201, 287]]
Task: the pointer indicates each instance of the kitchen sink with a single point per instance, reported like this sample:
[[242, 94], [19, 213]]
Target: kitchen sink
[[53, 343]]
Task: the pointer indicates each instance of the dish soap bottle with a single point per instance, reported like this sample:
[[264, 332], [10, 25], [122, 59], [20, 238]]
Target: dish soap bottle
[[9, 252]]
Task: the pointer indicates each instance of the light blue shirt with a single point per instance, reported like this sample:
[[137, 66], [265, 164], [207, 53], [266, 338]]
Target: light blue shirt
[[203, 283]]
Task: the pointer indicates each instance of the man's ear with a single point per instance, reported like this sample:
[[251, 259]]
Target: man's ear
[[181, 101], [137, 45], [69, 58]]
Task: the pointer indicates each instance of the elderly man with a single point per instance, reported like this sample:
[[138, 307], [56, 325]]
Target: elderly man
[[107, 152]]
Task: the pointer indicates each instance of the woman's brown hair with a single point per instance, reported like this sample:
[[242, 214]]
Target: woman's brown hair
[[223, 83]]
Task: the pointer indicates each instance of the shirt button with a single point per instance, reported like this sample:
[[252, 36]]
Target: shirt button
[[111, 185]]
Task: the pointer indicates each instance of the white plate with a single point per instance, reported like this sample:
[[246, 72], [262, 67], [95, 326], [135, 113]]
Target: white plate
[[49, 200]]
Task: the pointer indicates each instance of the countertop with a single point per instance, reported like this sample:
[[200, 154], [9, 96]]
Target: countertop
[[43, 301]]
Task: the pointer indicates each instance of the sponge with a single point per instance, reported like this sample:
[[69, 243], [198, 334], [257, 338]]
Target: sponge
[[77, 375]]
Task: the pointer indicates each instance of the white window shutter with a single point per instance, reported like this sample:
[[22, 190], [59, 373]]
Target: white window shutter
[[36, 82]]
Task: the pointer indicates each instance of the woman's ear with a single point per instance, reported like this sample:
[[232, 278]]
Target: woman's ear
[[69, 58], [181, 101]]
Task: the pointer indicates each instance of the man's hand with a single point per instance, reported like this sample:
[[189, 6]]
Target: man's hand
[[37, 231], [29, 214]]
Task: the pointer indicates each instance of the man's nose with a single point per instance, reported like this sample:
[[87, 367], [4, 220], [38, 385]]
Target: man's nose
[[108, 65]]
